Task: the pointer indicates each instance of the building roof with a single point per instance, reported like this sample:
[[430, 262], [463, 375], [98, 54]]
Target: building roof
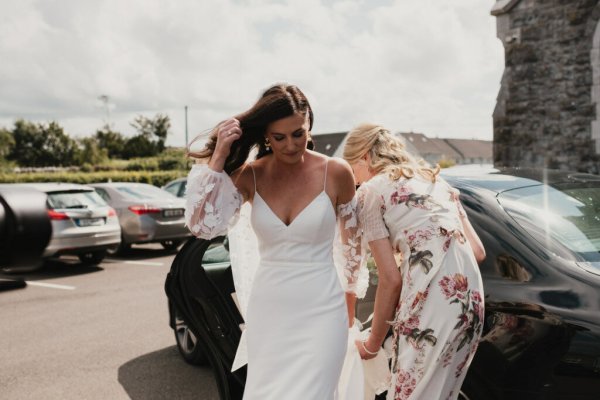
[[472, 148], [425, 146], [503, 6], [328, 143]]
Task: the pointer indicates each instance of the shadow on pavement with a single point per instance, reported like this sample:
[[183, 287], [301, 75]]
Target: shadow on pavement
[[164, 375], [140, 253], [56, 268]]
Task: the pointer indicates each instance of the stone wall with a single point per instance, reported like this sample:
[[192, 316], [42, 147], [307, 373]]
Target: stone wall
[[545, 111]]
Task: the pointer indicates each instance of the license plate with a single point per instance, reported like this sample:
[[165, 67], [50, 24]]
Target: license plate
[[177, 212], [90, 221]]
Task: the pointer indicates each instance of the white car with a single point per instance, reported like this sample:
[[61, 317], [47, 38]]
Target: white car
[[82, 223]]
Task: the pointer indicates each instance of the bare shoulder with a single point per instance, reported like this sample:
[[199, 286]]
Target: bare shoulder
[[340, 174], [339, 168], [243, 179]]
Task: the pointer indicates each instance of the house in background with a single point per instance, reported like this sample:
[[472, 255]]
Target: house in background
[[329, 143], [448, 151], [432, 150], [473, 151]]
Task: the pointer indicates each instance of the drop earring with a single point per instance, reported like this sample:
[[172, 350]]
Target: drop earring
[[267, 144]]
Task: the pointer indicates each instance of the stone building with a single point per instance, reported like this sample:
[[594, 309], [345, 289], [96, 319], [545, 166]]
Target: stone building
[[549, 100]]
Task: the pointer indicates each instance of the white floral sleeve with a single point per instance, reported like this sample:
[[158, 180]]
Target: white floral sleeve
[[348, 253], [212, 202], [372, 208], [455, 196]]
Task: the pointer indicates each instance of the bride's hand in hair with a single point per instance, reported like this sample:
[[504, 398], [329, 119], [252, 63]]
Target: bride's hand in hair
[[227, 132]]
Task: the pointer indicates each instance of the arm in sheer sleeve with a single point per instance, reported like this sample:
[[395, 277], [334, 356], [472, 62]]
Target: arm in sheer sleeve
[[349, 256], [455, 195], [372, 208], [212, 202]]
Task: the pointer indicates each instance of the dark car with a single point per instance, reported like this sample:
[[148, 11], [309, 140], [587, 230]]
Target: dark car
[[541, 339]]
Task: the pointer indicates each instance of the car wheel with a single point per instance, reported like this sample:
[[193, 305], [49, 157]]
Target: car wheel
[[93, 257], [170, 244], [187, 342], [121, 249]]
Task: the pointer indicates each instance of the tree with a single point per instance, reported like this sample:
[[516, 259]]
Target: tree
[[7, 142], [113, 142], [161, 124], [139, 146], [60, 148], [152, 134], [39, 145], [91, 152]]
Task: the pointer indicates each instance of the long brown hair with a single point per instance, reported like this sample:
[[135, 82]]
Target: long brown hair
[[277, 102]]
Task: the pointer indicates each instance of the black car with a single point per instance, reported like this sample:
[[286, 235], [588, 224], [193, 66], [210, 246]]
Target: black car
[[541, 339]]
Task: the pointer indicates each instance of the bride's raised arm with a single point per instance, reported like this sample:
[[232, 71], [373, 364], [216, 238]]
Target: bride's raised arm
[[212, 202]]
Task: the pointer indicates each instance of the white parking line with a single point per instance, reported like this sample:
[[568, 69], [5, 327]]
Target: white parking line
[[144, 263], [50, 285]]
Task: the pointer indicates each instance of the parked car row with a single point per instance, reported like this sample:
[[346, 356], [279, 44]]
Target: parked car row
[[93, 220], [541, 339]]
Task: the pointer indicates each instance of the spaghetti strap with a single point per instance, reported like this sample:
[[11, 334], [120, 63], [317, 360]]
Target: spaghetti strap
[[253, 175], [325, 180]]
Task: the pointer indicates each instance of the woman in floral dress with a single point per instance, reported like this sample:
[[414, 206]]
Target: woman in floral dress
[[411, 214]]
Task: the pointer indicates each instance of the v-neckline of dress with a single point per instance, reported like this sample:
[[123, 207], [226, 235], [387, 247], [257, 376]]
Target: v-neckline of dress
[[298, 215]]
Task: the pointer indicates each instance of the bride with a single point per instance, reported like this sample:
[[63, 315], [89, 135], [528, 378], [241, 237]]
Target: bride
[[298, 314]]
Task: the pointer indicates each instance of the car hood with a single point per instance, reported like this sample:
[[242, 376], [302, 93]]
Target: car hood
[[592, 267]]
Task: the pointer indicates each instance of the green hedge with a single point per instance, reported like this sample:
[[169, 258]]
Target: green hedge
[[157, 178]]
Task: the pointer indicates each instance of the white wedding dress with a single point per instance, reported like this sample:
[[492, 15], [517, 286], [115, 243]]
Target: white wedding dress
[[298, 322], [296, 318]]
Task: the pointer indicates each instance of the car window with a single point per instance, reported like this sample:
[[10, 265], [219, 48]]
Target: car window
[[74, 199], [216, 254], [103, 193], [569, 216], [182, 192], [143, 192], [173, 188]]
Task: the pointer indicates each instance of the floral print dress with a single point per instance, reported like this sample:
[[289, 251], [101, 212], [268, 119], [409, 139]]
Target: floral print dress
[[439, 317]]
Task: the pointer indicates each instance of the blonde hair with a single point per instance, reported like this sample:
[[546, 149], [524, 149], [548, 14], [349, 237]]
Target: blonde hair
[[388, 153]]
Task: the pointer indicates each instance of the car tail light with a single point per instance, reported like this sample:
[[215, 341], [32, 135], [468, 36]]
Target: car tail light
[[112, 212], [140, 210], [57, 216]]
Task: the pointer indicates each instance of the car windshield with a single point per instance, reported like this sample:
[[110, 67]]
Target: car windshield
[[570, 216], [74, 199], [144, 192]]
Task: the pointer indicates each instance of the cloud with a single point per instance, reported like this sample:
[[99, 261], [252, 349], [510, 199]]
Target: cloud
[[431, 66]]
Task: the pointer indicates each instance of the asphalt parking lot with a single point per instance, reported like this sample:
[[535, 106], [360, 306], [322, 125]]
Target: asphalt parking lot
[[95, 332]]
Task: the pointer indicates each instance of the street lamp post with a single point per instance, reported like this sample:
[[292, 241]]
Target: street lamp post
[[186, 127], [105, 101]]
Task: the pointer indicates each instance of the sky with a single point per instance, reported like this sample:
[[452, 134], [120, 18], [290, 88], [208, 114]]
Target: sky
[[429, 66]]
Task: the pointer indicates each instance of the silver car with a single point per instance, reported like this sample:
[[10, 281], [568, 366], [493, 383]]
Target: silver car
[[82, 223], [146, 213]]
